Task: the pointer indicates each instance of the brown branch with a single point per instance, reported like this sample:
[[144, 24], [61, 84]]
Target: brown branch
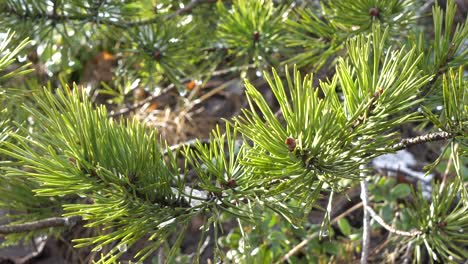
[[436, 136], [40, 224]]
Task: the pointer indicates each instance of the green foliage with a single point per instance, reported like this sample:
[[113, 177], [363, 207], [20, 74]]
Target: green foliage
[[443, 221], [358, 16], [166, 51], [331, 139], [319, 39], [322, 38], [81, 153], [6, 59], [215, 169], [446, 51], [251, 30], [448, 45], [17, 196], [69, 158], [455, 102], [8, 56]]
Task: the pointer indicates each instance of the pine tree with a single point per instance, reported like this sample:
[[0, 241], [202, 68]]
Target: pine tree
[[346, 78]]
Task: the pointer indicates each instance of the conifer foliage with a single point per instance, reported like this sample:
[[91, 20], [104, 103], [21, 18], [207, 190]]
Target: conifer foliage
[[372, 68]]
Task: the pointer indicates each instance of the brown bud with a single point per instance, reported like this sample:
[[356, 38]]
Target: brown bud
[[72, 160], [442, 225], [256, 36], [291, 143], [374, 11], [139, 94], [157, 55], [231, 183], [379, 92]]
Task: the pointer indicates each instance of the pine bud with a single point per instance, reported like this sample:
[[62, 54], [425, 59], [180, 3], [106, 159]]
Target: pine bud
[[231, 183], [379, 92], [374, 11], [72, 160], [442, 225], [157, 55], [291, 143], [256, 36]]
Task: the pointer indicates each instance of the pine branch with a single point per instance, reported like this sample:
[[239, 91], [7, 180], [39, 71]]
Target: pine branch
[[436, 136], [40, 224], [93, 17], [54, 17], [407, 256]]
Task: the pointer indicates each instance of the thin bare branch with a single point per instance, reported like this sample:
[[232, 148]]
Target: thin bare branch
[[389, 228], [40, 224], [366, 219]]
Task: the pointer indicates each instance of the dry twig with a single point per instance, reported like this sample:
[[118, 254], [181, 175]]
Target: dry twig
[[40, 224], [389, 228], [366, 232]]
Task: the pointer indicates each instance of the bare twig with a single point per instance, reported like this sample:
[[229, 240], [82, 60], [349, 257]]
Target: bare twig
[[425, 8], [161, 255], [389, 228], [378, 248], [298, 247], [407, 142], [366, 220], [38, 250], [407, 256], [40, 224]]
